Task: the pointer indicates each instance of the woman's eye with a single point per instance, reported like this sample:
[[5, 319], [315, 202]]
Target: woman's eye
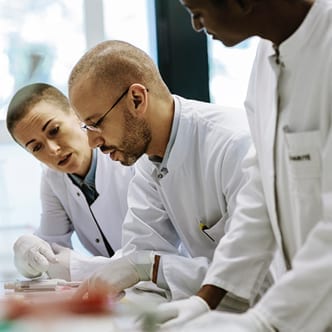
[[36, 148], [54, 131]]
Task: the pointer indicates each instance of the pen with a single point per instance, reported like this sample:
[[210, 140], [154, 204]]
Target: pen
[[203, 227]]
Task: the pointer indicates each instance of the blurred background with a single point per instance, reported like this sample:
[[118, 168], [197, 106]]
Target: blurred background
[[41, 40]]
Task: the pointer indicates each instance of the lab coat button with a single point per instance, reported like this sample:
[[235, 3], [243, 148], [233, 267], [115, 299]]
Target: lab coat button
[[160, 176], [78, 194], [97, 240]]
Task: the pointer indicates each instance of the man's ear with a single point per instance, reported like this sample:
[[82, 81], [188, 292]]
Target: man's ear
[[137, 101], [246, 6], [138, 98]]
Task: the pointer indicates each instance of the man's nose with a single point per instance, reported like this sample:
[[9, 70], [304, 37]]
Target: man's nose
[[95, 139]]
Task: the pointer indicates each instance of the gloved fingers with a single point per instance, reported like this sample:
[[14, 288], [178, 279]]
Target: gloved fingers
[[172, 324], [150, 320], [37, 260], [153, 317], [212, 321], [186, 310], [91, 288], [166, 312], [48, 253], [121, 295], [57, 248], [82, 290], [28, 271], [99, 287], [59, 271]]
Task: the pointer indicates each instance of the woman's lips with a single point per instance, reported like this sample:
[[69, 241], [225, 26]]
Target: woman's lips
[[65, 160]]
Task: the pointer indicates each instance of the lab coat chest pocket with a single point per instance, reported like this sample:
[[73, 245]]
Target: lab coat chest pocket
[[303, 163], [216, 231], [303, 156]]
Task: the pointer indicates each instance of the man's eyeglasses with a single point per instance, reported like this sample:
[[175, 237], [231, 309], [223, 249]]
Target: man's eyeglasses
[[96, 126]]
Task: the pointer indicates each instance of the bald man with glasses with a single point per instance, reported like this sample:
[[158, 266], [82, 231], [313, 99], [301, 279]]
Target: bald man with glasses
[[188, 157]]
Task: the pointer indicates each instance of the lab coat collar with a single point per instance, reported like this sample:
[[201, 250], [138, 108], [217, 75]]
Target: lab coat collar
[[293, 45], [162, 169], [89, 179]]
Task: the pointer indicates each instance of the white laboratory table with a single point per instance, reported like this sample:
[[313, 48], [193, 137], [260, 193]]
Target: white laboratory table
[[138, 301]]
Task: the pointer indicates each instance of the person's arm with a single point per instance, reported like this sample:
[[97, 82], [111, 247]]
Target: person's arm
[[55, 224], [212, 295], [235, 267], [147, 232], [243, 256], [302, 300], [184, 276], [33, 254], [74, 266], [181, 275]]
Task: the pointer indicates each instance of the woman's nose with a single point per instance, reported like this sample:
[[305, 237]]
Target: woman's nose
[[53, 147]]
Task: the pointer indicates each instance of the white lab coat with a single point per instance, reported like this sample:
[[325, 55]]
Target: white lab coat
[[203, 179], [299, 218], [65, 210]]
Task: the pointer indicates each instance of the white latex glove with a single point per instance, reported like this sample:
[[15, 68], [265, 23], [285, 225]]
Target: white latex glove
[[32, 255], [82, 267], [118, 275], [61, 268], [173, 314], [215, 321]]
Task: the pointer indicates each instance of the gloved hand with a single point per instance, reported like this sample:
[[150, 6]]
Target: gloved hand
[[61, 268], [118, 275], [173, 314], [32, 255], [214, 321]]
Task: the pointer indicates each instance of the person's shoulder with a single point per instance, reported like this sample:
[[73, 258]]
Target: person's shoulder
[[215, 115], [53, 177], [50, 172], [202, 107]]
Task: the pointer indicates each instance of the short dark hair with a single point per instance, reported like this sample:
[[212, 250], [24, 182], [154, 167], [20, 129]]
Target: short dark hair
[[29, 96]]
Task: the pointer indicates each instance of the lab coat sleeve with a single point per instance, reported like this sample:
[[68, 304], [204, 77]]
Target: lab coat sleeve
[[232, 178], [183, 276], [55, 225], [302, 300], [242, 257]]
